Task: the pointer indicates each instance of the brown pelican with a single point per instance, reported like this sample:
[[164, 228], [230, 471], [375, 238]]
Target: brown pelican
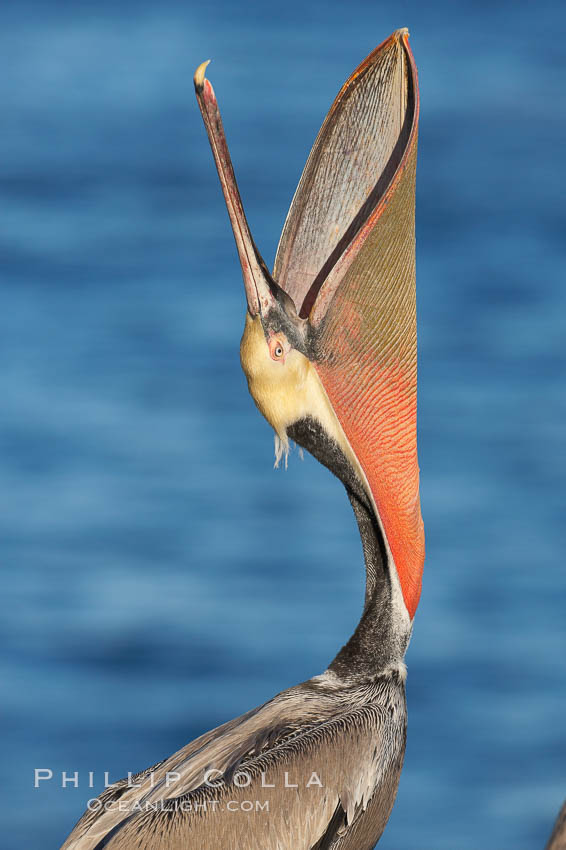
[[557, 840], [329, 351]]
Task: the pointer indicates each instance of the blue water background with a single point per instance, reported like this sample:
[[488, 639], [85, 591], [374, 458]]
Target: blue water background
[[158, 576]]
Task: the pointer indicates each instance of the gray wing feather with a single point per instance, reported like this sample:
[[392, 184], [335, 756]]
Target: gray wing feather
[[343, 737]]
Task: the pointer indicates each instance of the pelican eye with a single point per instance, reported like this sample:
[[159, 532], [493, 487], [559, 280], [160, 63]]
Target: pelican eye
[[276, 349]]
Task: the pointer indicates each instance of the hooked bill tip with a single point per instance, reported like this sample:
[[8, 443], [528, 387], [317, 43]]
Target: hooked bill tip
[[199, 76]]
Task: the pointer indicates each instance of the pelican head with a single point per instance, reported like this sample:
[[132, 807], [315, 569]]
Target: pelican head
[[330, 358]]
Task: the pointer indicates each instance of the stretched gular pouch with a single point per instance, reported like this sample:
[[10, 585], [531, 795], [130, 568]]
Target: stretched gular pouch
[[347, 258]]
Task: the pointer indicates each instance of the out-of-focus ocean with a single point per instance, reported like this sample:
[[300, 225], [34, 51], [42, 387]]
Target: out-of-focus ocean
[[158, 576]]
